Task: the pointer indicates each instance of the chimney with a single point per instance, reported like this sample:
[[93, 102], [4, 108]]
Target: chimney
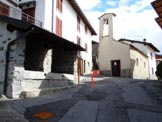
[[144, 40]]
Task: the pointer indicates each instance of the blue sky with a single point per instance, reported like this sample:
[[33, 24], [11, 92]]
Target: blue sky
[[135, 18]]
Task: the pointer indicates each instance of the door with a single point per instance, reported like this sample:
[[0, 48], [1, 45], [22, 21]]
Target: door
[[79, 65], [115, 66]]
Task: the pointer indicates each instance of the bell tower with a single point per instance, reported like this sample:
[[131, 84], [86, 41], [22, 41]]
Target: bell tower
[[106, 25]]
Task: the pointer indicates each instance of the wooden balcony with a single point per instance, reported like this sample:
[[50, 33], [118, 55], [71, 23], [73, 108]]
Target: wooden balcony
[[9, 11]]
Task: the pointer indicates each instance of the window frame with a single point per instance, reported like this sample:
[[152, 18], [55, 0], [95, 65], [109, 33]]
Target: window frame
[[58, 26], [59, 5], [78, 23]]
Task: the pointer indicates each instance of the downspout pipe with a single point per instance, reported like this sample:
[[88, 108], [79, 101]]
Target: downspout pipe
[[7, 54], [52, 16]]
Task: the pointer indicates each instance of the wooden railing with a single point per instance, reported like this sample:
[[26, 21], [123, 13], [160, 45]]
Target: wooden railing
[[17, 14]]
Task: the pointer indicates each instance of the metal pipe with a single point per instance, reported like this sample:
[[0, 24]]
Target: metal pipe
[[52, 15]]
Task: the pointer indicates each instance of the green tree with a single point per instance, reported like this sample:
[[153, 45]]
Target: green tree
[[159, 70]]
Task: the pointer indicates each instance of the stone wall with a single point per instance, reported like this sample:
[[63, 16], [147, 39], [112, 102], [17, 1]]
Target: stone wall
[[5, 37], [38, 80], [106, 72], [15, 81], [125, 73]]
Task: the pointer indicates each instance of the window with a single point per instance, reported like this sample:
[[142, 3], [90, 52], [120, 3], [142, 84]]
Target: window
[[78, 40], [58, 27], [106, 27], [152, 70], [86, 47], [4, 9], [78, 23], [137, 61], [85, 28], [144, 64], [151, 55], [59, 5]]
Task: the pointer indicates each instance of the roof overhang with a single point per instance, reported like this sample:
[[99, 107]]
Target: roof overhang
[[145, 43], [157, 5], [159, 21], [27, 3], [55, 40]]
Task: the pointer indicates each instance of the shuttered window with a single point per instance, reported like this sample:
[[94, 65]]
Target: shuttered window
[[86, 47], [78, 23], [58, 27], [4, 9], [78, 40], [59, 5], [85, 28]]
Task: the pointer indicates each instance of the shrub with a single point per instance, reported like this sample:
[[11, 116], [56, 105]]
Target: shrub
[[159, 70]]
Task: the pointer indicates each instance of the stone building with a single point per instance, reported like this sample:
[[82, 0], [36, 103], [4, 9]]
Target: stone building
[[118, 58], [40, 50]]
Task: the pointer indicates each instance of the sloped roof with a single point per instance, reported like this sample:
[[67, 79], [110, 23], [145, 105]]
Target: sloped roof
[[55, 40], [158, 56], [82, 16], [157, 5], [140, 42]]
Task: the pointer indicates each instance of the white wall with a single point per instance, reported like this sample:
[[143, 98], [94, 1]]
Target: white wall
[[69, 31], [152, 62], [69, 22]]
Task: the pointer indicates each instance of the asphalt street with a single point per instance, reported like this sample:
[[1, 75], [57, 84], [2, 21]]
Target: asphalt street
[[112, 100]]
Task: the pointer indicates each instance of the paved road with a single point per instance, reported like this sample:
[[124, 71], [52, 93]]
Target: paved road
[[112, 100]]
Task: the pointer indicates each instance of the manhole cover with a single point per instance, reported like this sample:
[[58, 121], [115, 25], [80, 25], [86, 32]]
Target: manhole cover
[[43, 115]]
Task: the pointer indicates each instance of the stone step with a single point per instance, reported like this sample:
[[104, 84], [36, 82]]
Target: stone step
[[82, 111], [39, 92]]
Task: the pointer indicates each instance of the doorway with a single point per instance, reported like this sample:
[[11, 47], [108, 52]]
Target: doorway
[[115, 66]]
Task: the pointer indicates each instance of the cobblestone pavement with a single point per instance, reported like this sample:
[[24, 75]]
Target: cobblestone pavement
[[117, 100]]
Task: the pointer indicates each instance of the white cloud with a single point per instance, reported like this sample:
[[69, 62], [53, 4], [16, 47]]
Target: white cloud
[[123, 2], [87, 4], [112, 3]]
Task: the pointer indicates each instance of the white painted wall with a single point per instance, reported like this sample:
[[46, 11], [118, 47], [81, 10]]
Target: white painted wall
[[69, 31], [69, 19], [152, 62]]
